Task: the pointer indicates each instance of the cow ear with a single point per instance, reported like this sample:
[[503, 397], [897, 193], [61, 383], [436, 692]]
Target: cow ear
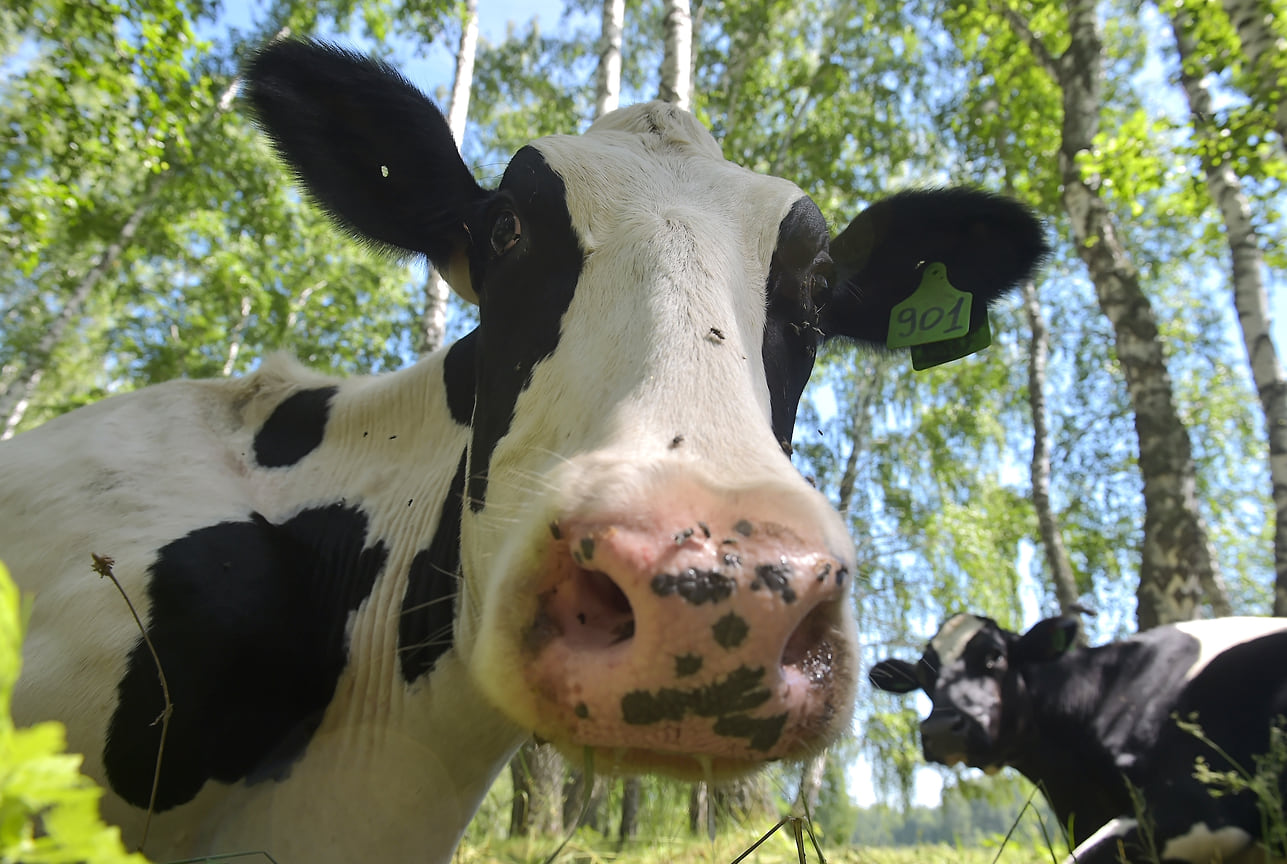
[[895, 676], [369, 147], [987, 243], [1048, 639]]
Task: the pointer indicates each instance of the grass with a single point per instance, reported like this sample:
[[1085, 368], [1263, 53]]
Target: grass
[[590, 848]]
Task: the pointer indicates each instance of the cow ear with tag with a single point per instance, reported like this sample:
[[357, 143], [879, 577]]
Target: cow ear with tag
[[917, 270], [372, 150], [1048, 640], [894, 676]]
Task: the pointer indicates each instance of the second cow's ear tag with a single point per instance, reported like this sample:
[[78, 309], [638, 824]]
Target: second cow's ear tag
[[935, 322]]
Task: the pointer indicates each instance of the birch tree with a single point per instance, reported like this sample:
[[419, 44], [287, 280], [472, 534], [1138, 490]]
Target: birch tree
[[437, 291], [1178, 566], [607, 89], [1249, 294], [677, 60], [1062, 577]]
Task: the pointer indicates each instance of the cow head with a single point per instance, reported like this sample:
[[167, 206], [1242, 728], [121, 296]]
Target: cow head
[[973, 672], [642, 570]]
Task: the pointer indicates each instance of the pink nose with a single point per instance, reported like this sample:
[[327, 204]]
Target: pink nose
[[660, 640]]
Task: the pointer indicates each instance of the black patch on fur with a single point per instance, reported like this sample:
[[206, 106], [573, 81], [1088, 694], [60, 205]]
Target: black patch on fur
[[522, 296], [458, 377], [791, 325], [1235, 700], [425, 627], [295, 428], [249, 620]]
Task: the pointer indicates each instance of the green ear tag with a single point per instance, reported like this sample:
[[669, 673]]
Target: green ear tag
[[934, 322], [938, 353]]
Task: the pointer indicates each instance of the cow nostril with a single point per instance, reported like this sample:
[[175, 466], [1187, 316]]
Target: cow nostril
[[808, 650], [592, 611]]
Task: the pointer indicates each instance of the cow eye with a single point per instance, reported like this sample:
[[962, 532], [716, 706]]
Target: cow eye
[[819, 287], [506, 231], [820, 279], [992, 661]]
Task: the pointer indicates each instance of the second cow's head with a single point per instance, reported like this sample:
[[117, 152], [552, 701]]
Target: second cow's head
[[643, 570], [974, 672]]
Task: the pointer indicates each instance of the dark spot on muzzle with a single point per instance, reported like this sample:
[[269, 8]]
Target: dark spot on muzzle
[[687, 664], [761, 732], [777, 578], [730, 630], [695, 586], [738, 693]]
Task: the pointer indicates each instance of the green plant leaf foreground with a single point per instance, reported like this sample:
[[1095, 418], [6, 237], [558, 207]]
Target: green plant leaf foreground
[[48, 809]]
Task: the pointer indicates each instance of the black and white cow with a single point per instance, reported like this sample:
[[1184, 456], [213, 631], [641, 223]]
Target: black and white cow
[[578, 521], [1082, 723]]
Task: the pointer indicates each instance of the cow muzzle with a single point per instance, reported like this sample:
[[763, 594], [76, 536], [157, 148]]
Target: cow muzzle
[[945, 736], [700, 645]]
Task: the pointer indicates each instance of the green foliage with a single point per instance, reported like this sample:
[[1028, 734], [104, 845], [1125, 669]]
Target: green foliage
[[48, 809], [149, 232], [1263, 781]]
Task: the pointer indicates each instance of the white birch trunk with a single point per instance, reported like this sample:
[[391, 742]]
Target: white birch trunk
[[677, 60], [1250, 299], [434, 324], [1052, 541], [607, 89]]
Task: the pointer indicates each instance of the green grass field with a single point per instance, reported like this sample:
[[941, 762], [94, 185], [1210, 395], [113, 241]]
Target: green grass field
[[779, 849]]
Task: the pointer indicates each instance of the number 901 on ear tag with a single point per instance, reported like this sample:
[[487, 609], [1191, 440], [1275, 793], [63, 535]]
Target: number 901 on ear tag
[[939, 315]]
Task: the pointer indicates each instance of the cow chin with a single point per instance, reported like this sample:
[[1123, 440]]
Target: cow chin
[[685, 767]]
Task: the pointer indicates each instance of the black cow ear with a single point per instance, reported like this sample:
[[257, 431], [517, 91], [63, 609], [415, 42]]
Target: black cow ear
[[370, 148], [988, 245], [1048, 639], [895, 676]]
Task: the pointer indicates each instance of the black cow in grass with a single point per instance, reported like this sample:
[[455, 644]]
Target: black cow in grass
[[1085, 724]]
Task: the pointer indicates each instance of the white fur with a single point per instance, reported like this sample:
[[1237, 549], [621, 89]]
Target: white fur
[[1217, 635], [1112, 829], [180, 453], [1201, 845]]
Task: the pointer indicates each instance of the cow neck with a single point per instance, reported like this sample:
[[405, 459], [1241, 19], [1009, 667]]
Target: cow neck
[[1059, 747]]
